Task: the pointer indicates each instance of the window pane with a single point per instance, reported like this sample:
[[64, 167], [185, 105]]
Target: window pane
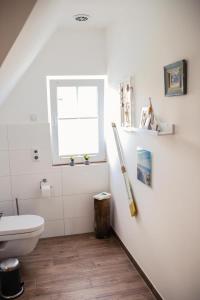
[[78, 136], [67, 101], [87, 101]]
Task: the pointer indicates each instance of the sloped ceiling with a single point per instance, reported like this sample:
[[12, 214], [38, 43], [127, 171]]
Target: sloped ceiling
[[45, 17], [13, 14]]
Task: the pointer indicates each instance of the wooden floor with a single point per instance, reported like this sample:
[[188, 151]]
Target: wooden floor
[[81, 267]]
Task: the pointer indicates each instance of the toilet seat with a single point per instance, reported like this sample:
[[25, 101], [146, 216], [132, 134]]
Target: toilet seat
[[14, 227]]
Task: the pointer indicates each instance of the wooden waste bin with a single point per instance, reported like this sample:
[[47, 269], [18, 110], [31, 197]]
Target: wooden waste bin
[[102, 215]]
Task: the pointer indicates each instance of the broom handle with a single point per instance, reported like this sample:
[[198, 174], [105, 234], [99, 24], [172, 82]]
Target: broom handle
[[132, 205]]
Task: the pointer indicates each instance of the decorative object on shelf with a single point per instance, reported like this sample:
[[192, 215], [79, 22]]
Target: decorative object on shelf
[[144, 119], [86, 158], [126, 103], [148, 119], [131, 199], [175, 77], [72, 161], [144, 166]]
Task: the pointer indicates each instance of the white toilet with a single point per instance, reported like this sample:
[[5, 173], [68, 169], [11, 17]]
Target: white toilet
[[19, 234]]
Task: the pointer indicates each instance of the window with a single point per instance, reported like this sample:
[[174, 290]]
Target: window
[[76, 118]]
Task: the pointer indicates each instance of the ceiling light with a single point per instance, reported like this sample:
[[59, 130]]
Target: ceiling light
[[81, 17]]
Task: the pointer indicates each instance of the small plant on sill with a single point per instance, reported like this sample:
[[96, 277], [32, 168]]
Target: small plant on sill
[[71, 161], [86, 157]]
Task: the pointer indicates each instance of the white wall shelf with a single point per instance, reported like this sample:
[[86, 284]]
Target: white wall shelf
[[166, 130]]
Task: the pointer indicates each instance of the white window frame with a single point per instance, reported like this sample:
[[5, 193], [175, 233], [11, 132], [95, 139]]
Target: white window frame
[[52, 84]]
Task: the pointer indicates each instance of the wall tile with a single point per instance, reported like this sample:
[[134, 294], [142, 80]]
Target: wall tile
[[83, 179], [78, 206], [4, 163], [53, 228], [81, 225], [3, 137], [28, 136], [5, 188], [22, 162], [48, 208], [28, 186], [6, 207], [67, 226]]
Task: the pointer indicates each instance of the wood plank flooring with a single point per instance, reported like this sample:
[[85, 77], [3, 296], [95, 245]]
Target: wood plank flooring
[[81, 268]]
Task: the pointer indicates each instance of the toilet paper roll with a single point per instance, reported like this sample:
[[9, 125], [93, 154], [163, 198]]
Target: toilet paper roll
[[45, 189]]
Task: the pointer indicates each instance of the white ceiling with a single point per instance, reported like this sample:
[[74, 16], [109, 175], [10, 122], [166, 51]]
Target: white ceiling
[[103, 12]]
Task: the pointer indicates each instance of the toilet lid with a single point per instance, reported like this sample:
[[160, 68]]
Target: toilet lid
[[20, 224]]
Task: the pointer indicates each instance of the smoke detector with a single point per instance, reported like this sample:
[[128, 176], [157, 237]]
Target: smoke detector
[[81, 17]]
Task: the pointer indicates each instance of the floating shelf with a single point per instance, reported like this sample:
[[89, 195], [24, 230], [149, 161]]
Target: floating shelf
[[166, 130]]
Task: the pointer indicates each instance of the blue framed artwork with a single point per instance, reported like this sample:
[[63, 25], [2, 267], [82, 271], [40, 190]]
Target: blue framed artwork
[[144, 166], [175, 77]]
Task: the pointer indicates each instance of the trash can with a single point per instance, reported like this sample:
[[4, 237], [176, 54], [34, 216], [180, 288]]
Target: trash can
[[102, 215], [11, 286]]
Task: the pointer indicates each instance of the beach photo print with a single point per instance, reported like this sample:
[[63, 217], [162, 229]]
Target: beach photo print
[[144, 166]]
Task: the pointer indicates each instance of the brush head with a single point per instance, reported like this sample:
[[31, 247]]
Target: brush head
[[133, 209]]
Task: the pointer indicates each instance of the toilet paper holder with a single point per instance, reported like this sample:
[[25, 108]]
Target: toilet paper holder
[[44, 180]]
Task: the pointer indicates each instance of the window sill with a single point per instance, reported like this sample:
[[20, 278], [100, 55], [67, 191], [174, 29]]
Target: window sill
[[80, 164]]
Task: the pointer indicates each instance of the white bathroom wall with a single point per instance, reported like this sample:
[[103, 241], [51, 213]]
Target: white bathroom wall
[[70, 208], [164, 237]]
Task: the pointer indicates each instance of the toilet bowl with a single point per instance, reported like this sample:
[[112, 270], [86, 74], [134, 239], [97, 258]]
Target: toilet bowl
[[19, 235]]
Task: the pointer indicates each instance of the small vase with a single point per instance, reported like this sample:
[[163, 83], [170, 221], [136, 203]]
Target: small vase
[[87, 162]]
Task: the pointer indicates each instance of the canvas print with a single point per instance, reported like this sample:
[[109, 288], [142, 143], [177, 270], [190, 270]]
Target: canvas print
[[144, 166]]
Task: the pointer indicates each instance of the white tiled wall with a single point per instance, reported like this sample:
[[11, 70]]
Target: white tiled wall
[[5, 188], [69, 210], [3, 138], [4, 163]]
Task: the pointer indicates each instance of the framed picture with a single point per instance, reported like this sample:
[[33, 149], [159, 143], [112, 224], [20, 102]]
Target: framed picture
[[148, 119], [126, 103], [144, 166], [145, 118], [175, 76]]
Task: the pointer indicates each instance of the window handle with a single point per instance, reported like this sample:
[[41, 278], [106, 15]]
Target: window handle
[[55, 121]]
